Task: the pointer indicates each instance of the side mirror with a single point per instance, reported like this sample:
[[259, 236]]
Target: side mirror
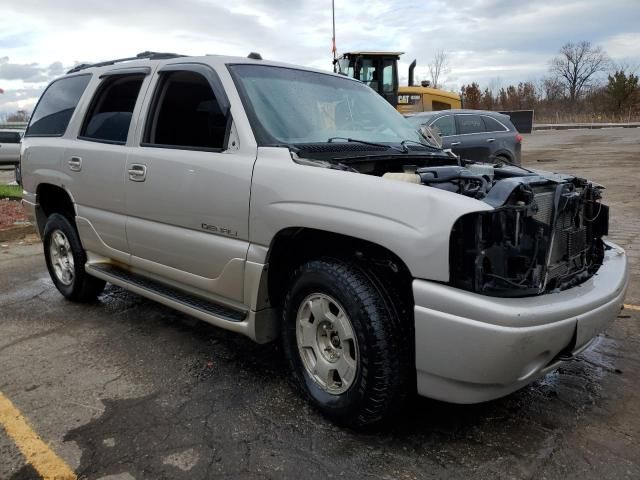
[[432, 136]]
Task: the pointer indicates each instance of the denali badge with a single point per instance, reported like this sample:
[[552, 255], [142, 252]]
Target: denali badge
[[220, 230]]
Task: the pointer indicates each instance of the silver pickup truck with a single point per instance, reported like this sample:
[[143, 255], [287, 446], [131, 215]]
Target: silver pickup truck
[[9, 147], [279, 201]]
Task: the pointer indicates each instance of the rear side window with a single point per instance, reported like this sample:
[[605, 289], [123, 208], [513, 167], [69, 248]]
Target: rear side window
[[492, 125], [111, 109], [445, 126], [185, 114], [9, 137], [55, 108], [469, 124]]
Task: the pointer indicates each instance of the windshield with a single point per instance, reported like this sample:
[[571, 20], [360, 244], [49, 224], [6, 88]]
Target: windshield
[[296, 106]]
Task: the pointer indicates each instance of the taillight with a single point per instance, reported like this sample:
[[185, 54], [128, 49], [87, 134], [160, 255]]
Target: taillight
[[518, 138]]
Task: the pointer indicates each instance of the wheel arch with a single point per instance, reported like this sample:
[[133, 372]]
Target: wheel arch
[[505, 154], [53, 199], [292, 246]]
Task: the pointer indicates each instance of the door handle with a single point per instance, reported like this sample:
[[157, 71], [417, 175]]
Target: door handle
[[75, 164], [453, 144], [491, 140], [137, 172]]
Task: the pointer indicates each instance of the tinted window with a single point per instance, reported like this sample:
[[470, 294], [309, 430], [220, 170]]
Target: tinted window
[[436, 106], [109, 116], [54, 110], [387, 77], [185, 113], [492, 125], [9, 137], [445, 126], [469, 124]]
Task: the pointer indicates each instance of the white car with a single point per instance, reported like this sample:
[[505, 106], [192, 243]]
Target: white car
[[10, 147]]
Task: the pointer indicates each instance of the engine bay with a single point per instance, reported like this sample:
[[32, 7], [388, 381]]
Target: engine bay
[[544, 233]]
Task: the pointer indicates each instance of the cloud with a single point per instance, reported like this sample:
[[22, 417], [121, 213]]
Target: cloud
[[486, 39], [624, 47], [27, 72], [19, 99]]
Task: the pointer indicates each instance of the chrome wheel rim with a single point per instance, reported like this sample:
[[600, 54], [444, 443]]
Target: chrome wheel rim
[[327, 343], [61, 257]]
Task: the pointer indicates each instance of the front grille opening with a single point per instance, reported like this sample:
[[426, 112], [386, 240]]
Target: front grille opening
[[551, 244]]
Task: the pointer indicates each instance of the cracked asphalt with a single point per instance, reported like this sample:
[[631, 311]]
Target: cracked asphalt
[[126, 388]]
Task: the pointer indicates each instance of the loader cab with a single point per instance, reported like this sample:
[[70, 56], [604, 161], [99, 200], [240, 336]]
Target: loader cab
[[379, 70]]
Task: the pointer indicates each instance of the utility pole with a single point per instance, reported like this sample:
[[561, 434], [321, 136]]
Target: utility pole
[[333, 39]]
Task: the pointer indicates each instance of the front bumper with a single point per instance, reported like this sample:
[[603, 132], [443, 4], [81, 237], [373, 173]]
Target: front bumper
[[471, 348]]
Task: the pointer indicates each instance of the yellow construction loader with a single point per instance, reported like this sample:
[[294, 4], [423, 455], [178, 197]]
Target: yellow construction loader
[[379, 70]]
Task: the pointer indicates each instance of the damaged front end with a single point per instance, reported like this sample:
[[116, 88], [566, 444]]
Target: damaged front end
[[545, 234]]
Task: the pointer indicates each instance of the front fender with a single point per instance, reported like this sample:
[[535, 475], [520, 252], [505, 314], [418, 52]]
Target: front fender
[[413, 221]]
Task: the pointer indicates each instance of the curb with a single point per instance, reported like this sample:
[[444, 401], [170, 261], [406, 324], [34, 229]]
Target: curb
[[583, 126], [16, 232]]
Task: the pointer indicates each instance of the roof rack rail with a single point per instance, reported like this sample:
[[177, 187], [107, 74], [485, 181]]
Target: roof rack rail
[[143, 55]]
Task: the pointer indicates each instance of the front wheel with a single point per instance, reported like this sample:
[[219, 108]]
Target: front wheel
[[343, 342], [65, 259]]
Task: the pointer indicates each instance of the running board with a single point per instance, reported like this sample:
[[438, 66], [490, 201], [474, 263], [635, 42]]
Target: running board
[[208, 311]]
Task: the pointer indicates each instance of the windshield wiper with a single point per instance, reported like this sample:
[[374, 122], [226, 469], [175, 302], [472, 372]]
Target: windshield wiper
[[406, 149], [364, 142], [508, 162]]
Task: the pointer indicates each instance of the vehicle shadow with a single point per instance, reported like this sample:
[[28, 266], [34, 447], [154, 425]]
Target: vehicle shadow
[[231, 404]]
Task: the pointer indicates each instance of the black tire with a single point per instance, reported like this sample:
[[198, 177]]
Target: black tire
[[383, 366], [503, 157], [82, 287]]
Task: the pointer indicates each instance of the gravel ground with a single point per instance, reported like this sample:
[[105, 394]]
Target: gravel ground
[[10, 212], [128, 388]]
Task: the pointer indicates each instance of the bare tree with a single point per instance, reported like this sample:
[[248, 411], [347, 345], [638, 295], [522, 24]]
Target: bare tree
[[438, 67], [576, 66], [18, 116]]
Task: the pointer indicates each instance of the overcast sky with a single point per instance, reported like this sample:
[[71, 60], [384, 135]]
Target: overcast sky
[[491, 41]]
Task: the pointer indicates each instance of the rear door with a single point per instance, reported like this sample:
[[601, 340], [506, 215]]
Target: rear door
[[96, 161], [9, 148], [471, 142], [498, 137], [188, 185]]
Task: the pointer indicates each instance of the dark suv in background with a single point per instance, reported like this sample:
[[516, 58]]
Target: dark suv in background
[[474, 134]]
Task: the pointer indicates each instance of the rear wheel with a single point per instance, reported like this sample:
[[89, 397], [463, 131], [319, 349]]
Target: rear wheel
[[503, 158], [343, 342], [65, 260]]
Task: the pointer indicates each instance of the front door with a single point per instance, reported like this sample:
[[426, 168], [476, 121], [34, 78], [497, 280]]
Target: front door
[[445, 126], [188, 186]]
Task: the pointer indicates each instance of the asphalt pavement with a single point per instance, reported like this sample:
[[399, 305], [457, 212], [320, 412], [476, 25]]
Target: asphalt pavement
[[126, 388]]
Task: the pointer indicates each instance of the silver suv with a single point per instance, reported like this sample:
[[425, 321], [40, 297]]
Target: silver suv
[[275, 200]]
